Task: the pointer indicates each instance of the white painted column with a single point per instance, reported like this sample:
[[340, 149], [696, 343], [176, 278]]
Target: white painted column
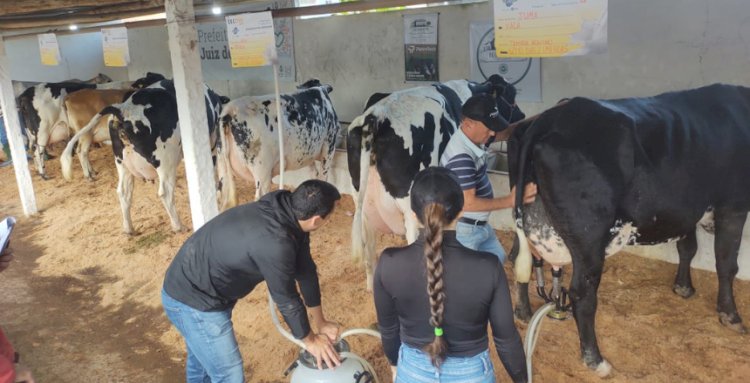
[[15, 139], [191, 109]]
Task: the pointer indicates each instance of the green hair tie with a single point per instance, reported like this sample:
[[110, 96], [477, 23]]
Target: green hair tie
[[438, 331]]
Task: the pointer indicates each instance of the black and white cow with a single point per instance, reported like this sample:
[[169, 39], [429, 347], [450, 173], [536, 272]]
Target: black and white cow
[[397, 136], [250, 139], [147, 144], [43, 115], [633, 171]]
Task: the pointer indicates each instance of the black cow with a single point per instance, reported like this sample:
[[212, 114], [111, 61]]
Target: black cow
[[633, 171]]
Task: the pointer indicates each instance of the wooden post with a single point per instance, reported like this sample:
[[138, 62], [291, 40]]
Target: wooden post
[[15, 139], [191, 109], [279, 124]]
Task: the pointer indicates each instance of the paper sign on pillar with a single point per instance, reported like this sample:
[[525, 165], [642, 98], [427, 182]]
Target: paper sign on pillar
[[49, 50], [251, 39], [115, 46]]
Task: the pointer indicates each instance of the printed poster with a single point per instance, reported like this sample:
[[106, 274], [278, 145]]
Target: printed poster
[[550, 28], [251, 39], [421, 47], [115, 47], [523, 72], [49, 50]]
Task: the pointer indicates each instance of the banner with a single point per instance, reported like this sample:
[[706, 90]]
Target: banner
[[421, 47], [524, 73], [251, 39], [48, 49], [115, 47], [545, 28]]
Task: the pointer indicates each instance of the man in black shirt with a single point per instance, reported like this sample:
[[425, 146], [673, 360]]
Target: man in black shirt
[[231, 254]]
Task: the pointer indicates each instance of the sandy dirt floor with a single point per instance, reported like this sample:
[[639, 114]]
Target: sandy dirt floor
[[81, 301]]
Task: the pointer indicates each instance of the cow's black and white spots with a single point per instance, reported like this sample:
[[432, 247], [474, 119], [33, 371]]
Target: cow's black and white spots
[[146, 142], [250, 142], [633, 171], [399, 134]]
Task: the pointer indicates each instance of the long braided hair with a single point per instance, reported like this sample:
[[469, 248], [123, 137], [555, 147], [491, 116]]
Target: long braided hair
[[434, 219], [437, 199]]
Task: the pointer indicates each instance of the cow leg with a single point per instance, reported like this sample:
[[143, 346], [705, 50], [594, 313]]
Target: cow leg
[[42, 138], [683, 283], [729, 226], [522, 311], [125, 193], [83, 156], [167, 181], [584, 284]]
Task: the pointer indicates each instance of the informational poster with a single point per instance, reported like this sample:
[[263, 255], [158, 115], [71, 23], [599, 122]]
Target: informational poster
[[252, 41], [545, 28], [421, 47], [115, 47], [49, 50], [523, 72]]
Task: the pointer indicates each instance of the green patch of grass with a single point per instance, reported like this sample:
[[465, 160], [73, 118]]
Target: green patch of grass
[[146, 242]]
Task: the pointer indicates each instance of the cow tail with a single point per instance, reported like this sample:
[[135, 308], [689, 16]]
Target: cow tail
[[226, 187], [358, 229], [522, 265], [66, 159]]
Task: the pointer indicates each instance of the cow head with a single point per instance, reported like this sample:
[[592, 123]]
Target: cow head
[[101, 79], [505, 96], [144, 82], [314, 82]]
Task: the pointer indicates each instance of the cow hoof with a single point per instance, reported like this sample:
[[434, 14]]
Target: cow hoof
[[522, 314], [683, 291], [45, 177], [180, 229], [603, 369], [733, 322]]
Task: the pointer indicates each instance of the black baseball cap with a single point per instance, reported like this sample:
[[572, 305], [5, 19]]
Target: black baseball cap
[[482, 108], [437, 185]]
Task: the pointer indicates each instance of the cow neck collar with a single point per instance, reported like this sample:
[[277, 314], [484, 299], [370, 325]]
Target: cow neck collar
[[478, 151]]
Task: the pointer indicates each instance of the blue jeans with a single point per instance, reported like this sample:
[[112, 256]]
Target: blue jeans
[[212, 351], [415, 366], [480, 238]]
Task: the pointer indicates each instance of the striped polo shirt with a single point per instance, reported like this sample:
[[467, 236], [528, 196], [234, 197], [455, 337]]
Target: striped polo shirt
[[469, 163]]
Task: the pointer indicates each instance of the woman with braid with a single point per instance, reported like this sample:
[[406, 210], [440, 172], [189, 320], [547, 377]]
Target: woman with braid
[[435, 297]]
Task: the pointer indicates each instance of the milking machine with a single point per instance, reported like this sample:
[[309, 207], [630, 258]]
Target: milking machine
[[353, 368], [556, 307]]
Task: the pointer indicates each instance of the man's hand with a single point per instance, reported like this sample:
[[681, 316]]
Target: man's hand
[[529, 193], [5, 257], [393, 373], [329, 329], [322, 349]]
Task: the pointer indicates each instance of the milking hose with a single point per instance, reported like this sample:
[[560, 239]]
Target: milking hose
[[529, 343], [353, 331]]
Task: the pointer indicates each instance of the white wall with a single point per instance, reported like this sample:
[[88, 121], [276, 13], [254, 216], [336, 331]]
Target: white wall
[[81, 58]]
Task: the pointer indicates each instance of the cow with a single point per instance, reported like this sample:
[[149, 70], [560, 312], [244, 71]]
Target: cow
[[43, 117], [98, 79], [634, 171], [81, 106], [397, 136], [146, 142], [250, 142]]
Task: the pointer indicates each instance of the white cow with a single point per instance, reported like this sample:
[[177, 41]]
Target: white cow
[[250, 144]]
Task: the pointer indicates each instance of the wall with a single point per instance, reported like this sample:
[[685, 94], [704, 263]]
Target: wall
[[81, 58]]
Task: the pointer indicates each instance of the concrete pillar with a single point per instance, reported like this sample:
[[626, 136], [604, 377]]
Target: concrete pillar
[[15, 139], [191, 109]]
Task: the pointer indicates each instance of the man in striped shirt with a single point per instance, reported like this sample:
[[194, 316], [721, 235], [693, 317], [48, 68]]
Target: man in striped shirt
[[466, 156]]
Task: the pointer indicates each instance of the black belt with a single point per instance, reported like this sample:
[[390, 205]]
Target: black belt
[[473, 222]]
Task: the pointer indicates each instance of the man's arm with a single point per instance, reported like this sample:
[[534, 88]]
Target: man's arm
[[307, 278]]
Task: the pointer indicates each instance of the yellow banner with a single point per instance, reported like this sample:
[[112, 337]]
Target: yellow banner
[[49, 51], [251, 38], [115, 47], [550, 28]]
